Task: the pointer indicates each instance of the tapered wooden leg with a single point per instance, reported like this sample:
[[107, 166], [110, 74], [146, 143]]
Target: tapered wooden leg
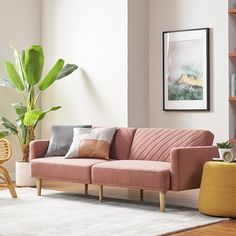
[[162, 198], [8, 182], [39, 186], [86, 189], [141, 195], [12, 190], [100, 193]]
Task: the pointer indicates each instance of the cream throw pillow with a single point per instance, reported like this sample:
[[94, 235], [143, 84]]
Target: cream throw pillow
[[91, 143]]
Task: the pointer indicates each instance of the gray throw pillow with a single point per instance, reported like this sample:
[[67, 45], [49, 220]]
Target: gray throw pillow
[[61, 139]]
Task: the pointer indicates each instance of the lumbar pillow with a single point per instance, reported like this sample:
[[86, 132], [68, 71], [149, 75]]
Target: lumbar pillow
[[61, 139], [93, 143]]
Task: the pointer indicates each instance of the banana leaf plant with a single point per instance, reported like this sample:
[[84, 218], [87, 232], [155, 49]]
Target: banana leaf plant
[[25, 75]]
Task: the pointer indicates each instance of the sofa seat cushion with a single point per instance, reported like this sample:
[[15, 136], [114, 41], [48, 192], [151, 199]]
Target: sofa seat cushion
[[151, 175], [59, 168]]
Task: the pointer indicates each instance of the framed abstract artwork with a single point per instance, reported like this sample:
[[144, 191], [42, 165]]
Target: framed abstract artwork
[[186, 70]]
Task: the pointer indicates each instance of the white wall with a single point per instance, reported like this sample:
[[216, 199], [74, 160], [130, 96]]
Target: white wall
[[20, 27], [93, 35], [138, 26], [168, 15], [187, 14]]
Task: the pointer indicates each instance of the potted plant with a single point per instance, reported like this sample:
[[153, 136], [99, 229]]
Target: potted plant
[[224, 147], [25, 75]]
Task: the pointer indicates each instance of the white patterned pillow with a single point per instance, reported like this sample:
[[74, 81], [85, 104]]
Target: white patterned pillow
[[91, 143]]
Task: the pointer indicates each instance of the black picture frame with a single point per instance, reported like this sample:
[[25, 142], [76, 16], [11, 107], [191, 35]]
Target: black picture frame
[[186, 70]]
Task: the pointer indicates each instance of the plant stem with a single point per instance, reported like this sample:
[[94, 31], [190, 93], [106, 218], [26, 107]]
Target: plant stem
[[20, 140], [36, 99]]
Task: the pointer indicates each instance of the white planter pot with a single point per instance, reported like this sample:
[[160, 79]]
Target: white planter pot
[[223, 150], [23, 175]]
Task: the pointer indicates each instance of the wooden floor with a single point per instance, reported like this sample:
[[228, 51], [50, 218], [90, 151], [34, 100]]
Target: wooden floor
[[225, 228]]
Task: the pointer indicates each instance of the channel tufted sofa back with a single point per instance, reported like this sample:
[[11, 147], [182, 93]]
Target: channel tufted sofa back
[[121, 143], [155, 144]]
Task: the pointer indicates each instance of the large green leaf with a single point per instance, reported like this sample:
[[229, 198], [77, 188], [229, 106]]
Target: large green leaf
[[20, 108], [66, 70], [32, 117], [38, 48], [6, 83], [18, 64], [4, 133], [8, 125], [33, 64], [52, 75], [45, 112], [13, 75]]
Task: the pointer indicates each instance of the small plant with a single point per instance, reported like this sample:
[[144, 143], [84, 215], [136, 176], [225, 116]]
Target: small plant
[[224, 145]]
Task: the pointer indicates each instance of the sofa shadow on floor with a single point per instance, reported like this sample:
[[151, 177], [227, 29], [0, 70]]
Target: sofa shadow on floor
[[112, 201]]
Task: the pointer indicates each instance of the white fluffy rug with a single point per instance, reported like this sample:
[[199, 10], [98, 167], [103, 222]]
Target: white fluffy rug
[[66, 214]]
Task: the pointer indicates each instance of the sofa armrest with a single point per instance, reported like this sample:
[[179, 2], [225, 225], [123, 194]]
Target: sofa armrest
[[187, 165], [38, 148]]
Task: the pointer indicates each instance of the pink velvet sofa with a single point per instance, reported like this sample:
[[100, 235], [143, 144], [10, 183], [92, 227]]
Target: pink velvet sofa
[[143, 158]]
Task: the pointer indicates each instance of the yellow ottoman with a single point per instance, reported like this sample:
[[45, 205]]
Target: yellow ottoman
[[218, 189]]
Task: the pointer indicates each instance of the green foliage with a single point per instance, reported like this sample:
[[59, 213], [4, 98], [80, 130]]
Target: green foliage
[[8, 125], [25, 75], [183, 92], [224, 145], [52, 75], [33, 64], [13, 75], [66, 70], [4, 133], [31, 118], [20, 108]]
